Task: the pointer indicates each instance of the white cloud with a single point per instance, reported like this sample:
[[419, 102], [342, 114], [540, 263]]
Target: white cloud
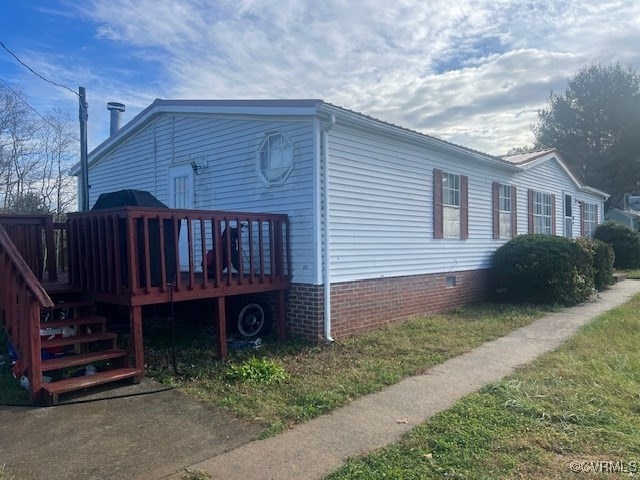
[[471, 72]]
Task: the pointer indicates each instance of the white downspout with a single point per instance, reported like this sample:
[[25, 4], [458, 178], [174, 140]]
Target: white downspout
[[327, 250]]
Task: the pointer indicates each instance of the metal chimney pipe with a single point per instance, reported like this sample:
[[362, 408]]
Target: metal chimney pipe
[[116, 110]]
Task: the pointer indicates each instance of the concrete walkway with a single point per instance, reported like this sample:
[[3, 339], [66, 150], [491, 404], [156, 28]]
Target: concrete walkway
[[316, 448]]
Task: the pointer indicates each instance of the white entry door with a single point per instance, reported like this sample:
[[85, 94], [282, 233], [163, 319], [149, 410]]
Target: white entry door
[[181, 195]]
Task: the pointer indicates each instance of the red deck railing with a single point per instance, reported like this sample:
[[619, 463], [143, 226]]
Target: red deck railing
[[137, 255], [21, 299], [35, 238]]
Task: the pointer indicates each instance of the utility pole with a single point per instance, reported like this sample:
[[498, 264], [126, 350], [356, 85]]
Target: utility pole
[[83, 204]]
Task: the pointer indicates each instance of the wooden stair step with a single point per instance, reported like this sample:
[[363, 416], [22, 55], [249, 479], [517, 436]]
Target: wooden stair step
[[77, 339], [84, 320], [81, 359], [86, 381]]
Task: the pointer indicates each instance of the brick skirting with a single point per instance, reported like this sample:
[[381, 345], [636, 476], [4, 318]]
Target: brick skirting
[[363, 305]]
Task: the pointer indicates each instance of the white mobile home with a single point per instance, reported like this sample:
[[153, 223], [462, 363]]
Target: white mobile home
[[398, 223]]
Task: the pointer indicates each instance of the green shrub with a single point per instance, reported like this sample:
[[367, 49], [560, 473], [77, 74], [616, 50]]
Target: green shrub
[[624, 241], [257, 370], [603, 260], [543, 269], [601, 257]]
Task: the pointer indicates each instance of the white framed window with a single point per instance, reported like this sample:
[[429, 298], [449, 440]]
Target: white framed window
[[505, 209], [180, 191], [542, 213], [451, 205], [590, 220], [275, 158]]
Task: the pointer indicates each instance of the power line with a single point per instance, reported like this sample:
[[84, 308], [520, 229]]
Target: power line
[[34, 72]]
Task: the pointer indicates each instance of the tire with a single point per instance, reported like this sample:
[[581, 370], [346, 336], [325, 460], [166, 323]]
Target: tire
[[253, 321]]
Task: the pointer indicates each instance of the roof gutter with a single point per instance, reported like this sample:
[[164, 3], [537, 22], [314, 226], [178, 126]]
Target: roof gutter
[[595, 191]]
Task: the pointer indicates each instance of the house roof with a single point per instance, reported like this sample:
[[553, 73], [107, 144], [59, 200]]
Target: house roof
[[525, 158], [530, 160], [327, 112], [370, 122], [283, 107], [635, 214]]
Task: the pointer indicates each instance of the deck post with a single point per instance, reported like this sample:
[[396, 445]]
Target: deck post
[[33, 347], [135, 321], [281, 316], [221, 320]]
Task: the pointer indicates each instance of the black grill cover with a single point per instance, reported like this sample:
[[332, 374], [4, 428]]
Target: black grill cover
[[141, 198], [132, 198]]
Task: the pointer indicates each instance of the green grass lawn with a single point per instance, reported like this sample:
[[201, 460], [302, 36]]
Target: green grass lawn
[[635, 274], [283, 384], [577, 408], [293, 382], [578, 404]]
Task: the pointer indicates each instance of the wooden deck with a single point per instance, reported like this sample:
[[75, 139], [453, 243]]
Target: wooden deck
[[136, 256], [130, 256], [202, 288]]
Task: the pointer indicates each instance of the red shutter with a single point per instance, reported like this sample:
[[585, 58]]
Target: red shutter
[[553, 214], [582, 225], [464, 207], [530, 207], [495, 191], [514, 212], [438, 231]]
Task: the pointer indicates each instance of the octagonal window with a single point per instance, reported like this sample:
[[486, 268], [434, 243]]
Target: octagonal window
[[275, 157]]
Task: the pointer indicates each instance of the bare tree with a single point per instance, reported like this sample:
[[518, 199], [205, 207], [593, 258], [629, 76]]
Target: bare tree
[[58, 147], [18, 132], [36, 153]]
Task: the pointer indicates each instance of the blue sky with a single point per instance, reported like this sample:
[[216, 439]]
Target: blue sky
[[472, 72]]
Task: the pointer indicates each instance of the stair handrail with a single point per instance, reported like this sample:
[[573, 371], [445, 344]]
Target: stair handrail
[[22, 287], [24, 271], [39, 229]]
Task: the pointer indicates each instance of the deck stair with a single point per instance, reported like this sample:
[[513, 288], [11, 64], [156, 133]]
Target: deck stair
[[127, 257], [77, 350]]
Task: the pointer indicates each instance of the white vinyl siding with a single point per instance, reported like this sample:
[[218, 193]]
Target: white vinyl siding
[[231, 178], [549, 177], [381, 197]]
